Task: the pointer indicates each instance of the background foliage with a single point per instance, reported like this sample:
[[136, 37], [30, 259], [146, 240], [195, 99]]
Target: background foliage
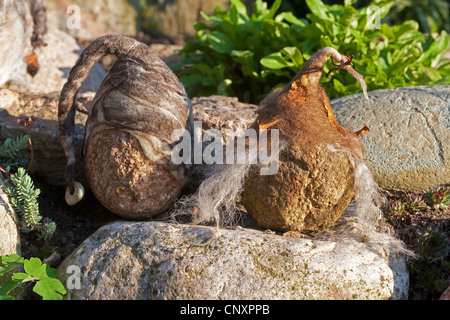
[[248, 55], [432, 15]]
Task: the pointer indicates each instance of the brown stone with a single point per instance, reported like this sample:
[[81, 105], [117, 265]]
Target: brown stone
[[125, 181], [309, 192]]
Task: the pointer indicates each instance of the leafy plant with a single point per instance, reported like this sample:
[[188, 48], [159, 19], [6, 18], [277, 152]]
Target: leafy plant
[[415, 202], [246, 56], [432, 15], [432, 245], [395, 207], [439, 196], [431, 268], [231, 46], [10, 153], [21, 192], [35, 272], [23, 198]]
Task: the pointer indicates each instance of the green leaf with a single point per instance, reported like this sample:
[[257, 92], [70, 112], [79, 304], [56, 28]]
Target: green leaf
[[338, 86], [4, 270], [50, 289], [219, 42], [8, 286], [32, 266], [238, 12], [443, 81], [436, 48], [289, 17], [318, 8], [12, 259], [6, 297], [219, 73], [273, 10], [275, 61], [242, 56], [22, 277], [259, 9], [294, 54], [45, 272], [240, 7], [432, 73], [384, 7]]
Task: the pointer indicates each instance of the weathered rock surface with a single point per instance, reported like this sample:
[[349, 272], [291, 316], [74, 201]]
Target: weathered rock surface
[[97, 18], [154, 260], [13, 69], [226, 114], [55, 62], [9, 225], [309, 192], [55, 58], [408, 147], [49, 158]]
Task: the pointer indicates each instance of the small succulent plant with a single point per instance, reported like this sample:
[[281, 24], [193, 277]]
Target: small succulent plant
[[415, 202], [439, 197], [432, 267], [395, 207], [432, 245]]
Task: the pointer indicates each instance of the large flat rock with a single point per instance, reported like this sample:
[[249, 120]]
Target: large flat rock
[[156, 260], [408, 146]]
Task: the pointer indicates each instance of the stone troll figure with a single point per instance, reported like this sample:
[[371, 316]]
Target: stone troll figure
[[321, 166], [129, 139]]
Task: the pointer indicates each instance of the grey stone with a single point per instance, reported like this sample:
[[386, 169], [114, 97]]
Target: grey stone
[[97, 18], [9, 225], [55, 62], [408, 146], [226, 114], [156, 260], [55, 58], [15, 44]]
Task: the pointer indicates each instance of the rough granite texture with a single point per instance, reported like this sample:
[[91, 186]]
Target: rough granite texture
[[408, 146], [155, 260]]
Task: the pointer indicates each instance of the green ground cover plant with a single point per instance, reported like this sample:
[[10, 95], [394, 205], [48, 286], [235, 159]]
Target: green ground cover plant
[[247, 56], [43, 277], [20, 188], [432, 268]]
